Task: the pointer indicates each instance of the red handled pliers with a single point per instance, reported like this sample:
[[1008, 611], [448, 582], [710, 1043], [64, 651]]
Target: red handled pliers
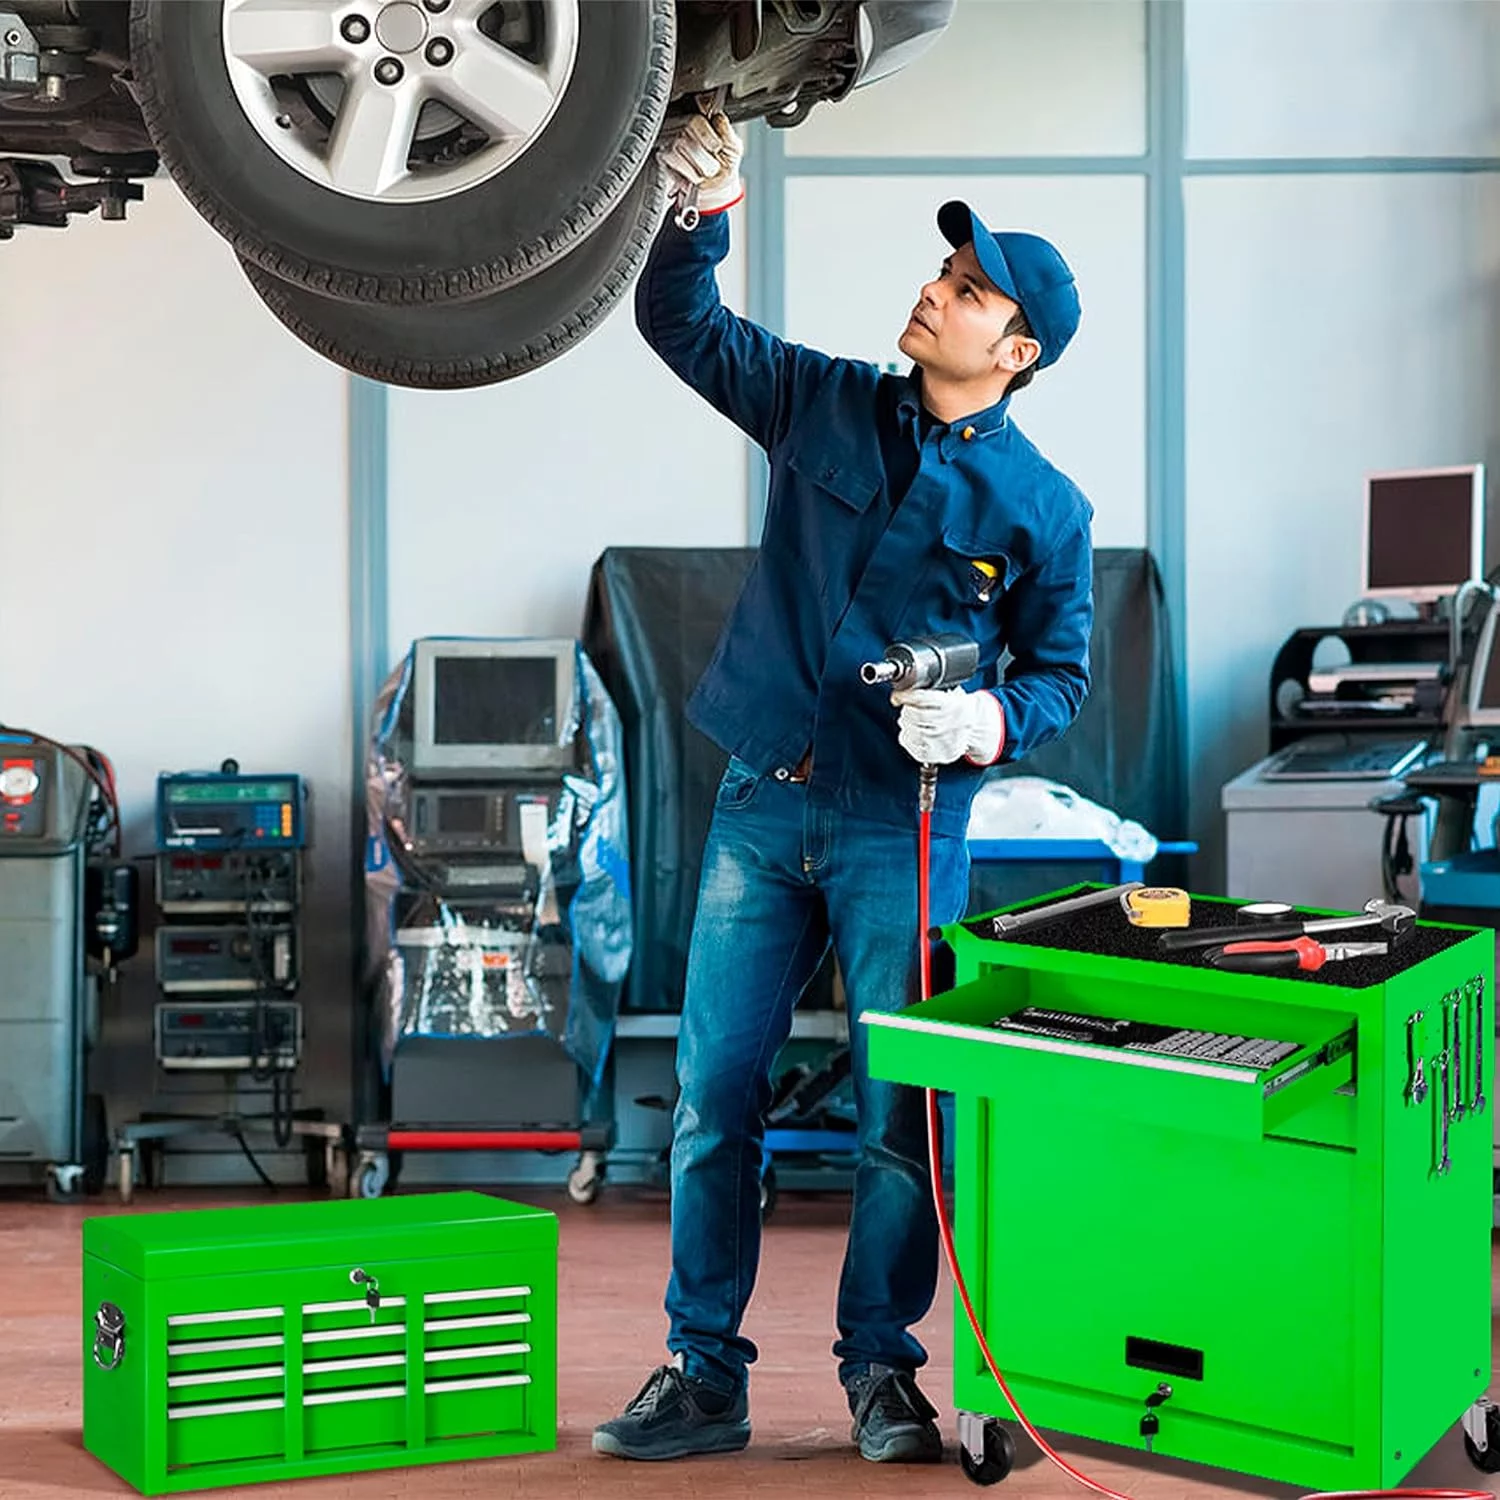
[[1304, 954]]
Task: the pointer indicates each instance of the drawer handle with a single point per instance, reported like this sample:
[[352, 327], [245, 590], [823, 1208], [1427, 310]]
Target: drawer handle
[[109, 1336], [224, 1408]]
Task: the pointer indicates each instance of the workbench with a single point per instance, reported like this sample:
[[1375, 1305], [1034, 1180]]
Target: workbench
[[1299, 1252]]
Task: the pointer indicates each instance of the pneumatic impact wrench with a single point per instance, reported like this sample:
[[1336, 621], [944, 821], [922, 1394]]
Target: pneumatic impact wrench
[[925, 661]]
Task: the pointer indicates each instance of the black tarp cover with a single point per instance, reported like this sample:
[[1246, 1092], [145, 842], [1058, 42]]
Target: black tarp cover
[[652, 621]]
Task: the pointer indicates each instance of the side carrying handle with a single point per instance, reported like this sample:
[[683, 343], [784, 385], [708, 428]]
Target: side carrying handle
[[109, 1336]]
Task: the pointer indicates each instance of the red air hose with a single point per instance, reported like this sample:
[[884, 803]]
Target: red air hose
[[945, 1231]]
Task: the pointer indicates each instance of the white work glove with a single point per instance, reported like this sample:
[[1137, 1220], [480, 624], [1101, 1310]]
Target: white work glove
[[704, 152], [940, 724]]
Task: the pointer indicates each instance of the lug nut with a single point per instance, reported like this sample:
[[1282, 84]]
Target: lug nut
[[355, 29], [436, 6], [440, 51], [388, 70]]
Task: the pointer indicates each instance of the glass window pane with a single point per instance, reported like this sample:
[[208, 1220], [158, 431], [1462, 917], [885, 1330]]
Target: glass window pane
[[1007, 78], [1342, 78], [1337, 326], [1087, 412]]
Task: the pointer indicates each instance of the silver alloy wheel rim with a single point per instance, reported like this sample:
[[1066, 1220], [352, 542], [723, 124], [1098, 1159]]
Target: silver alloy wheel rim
[[500, 101]]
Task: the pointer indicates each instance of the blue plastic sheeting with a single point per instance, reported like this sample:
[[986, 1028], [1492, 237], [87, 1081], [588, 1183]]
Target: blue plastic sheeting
[[549, 958]]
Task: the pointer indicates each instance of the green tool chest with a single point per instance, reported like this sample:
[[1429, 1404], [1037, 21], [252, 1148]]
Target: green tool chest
[[1297, 1246], [227, 1346]]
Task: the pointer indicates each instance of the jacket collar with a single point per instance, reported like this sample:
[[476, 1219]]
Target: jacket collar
[[980, 424]]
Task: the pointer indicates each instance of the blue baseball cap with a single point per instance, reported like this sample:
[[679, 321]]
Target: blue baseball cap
[[1027, 269]]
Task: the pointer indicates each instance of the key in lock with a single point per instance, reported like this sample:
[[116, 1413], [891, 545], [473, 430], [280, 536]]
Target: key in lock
[[372, 1289]]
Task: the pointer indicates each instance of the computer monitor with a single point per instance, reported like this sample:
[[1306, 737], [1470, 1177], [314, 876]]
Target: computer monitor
[[1424, 532], [492, 707], [1482, 697]]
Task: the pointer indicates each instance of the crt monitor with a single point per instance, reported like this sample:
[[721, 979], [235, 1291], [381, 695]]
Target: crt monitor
[[1482, 700], [492, 707], [1423, 532]]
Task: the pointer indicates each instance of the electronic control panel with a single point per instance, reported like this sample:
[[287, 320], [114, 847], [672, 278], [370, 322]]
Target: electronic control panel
[[215, 810], [228, 1035], [205, 960], [25, 786], [480, 820], [190, 882]]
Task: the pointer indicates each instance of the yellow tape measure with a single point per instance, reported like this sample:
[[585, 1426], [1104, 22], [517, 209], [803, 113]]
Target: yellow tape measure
[[1157, 906]]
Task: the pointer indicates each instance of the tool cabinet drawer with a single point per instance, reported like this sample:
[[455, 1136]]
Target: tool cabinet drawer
[[956, 1042], [368, 1355]]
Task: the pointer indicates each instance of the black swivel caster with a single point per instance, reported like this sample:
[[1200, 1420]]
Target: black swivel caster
[[1481, 1425], [986, 1450]]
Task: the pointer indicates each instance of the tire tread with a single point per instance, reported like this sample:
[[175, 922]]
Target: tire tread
[[450, 285]]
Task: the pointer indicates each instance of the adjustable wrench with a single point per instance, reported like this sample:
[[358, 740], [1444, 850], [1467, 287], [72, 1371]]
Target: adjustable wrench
[[687, 216], [1393, 920], [1416, 1080], [1456, 1053], [1444, 1165], [1478, 1102]]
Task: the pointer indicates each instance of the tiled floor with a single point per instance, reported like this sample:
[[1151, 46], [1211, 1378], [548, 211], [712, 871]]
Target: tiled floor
[[613, 1262]]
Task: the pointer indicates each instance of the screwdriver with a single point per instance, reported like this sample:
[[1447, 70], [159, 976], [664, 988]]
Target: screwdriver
[[1303, 954]]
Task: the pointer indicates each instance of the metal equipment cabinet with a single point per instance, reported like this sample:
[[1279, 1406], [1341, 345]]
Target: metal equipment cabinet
[[226, 1346], [1278, 1246], [49, 1124]]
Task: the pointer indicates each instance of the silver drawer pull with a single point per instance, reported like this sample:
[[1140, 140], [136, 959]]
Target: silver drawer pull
[[228, 1377], [334, 1366], [479, 1383], [495, 1320], [243, 1315], [477, 1296], [224, 1408], [477, 1351], [347, 1335], [309, 1308], [369, 1393], [226, 1346]]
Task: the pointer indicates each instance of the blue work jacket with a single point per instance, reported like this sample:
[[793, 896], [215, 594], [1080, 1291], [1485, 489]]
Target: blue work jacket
[[845, 569]]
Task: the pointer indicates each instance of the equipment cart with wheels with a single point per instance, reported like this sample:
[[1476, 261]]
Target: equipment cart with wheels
[[1249, 1229]]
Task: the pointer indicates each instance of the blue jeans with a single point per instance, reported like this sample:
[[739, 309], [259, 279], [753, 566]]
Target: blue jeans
[[783, 875]]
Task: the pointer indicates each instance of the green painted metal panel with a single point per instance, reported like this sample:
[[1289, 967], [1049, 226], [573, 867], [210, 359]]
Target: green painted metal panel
[[239, 1368], [1285, 1254], [215, 1242]]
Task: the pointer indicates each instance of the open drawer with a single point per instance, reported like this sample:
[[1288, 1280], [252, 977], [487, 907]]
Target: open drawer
[[952, 1043]]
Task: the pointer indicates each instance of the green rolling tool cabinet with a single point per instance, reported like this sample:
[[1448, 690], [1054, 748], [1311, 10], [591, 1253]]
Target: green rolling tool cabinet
[[226, 1346], [1290, 1254]]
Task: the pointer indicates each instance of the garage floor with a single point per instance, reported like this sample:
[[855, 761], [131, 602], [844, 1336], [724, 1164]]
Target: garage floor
[[614, 1258]]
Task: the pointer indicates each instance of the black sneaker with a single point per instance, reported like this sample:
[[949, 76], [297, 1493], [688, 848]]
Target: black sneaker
[[893, 1420], [674, 1415]]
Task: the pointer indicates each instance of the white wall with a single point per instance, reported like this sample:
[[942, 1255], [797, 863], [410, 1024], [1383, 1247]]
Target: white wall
[[1337, 324], [1342, 78], [173, 525], [1088, 412], [501, 498]]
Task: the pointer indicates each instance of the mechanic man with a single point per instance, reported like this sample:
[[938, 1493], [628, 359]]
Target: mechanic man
[[899, 506]]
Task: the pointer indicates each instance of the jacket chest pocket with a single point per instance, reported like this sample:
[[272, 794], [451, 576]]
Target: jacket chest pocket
[[973, 573], [842, 477]]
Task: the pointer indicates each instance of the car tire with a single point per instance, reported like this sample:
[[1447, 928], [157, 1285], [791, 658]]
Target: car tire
[[378, 246], [456, 345]]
